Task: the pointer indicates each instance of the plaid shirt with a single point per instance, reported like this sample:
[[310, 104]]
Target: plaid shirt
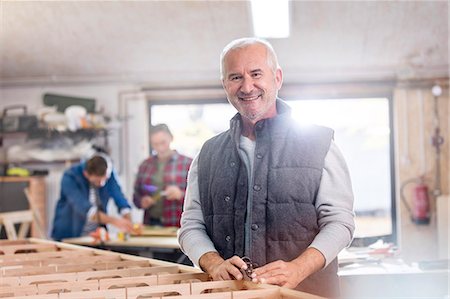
[[175, 173]]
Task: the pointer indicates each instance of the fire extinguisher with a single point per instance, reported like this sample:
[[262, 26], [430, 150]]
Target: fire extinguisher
[[419, 209]]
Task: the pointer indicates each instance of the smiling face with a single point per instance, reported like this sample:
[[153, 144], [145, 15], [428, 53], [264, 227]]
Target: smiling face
[[250, 82]]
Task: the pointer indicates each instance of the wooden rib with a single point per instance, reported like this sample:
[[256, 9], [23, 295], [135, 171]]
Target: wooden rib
[[45, 255], [95, 266], [101, 294], [161, 290], [154, 270], [218, 286], [89, 275], [102, 266], [182, 278], [222, 295], [49, 296], [97, 275], [9, 281], [58, 261], [257, 294], [74, 286], [29, 271], [26, 248], [48, 278], [127, 282], [18, 291]]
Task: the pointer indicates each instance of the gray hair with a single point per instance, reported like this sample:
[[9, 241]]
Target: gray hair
[[241, 43]]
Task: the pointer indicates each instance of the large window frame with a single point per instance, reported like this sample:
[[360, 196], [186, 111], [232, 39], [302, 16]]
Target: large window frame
[[364, 241], [388, 238]]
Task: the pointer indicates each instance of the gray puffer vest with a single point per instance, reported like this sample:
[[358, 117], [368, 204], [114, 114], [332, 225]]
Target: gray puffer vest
[[288, 166]]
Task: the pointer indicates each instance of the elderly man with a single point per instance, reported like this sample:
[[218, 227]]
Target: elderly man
[[266, 188]]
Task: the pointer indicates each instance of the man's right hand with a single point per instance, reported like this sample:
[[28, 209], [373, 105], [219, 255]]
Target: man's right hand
[[147, 201], [123, 224], [220, 269]]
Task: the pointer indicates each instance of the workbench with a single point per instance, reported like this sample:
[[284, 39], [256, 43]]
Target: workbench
[[38, 269], [153, 242]]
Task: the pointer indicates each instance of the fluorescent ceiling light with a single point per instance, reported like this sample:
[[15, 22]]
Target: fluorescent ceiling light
[[270, 18]]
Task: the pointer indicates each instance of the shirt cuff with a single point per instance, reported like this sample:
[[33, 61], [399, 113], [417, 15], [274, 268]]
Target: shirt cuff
[[330, 242], [125, 211], [196, 246]]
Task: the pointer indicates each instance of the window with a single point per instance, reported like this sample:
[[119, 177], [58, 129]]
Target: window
[[192, 124], [362, 132]]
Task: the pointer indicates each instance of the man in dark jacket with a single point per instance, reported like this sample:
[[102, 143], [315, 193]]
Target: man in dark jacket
[[85, 191], [267, 189]]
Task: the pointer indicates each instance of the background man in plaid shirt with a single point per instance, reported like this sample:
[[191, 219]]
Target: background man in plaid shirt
[[161, 180]]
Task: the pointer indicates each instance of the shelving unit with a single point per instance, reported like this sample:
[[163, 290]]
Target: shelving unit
[[49, 136]]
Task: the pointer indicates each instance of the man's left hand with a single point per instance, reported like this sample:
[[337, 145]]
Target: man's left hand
[[285, 274], [290, 274], [173, 192]]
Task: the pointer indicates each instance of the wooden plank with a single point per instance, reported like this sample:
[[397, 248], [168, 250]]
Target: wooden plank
[[9, 281], [127, 282], [29, 271], [48, 296], [159, 291], [89, 275], [57, 268], [45, 255], [18, 291], [222, 286], [221, 295], [257, 294], [155, 270], [73, 286], [48, 278], [101, 294], [97, 275], [293, 294], [59, 261], [149, 231], [99, 266], [26, 248], [182, 278]]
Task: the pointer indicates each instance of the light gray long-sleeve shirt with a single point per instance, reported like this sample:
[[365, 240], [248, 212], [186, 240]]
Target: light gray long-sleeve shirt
[[334, 206]]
